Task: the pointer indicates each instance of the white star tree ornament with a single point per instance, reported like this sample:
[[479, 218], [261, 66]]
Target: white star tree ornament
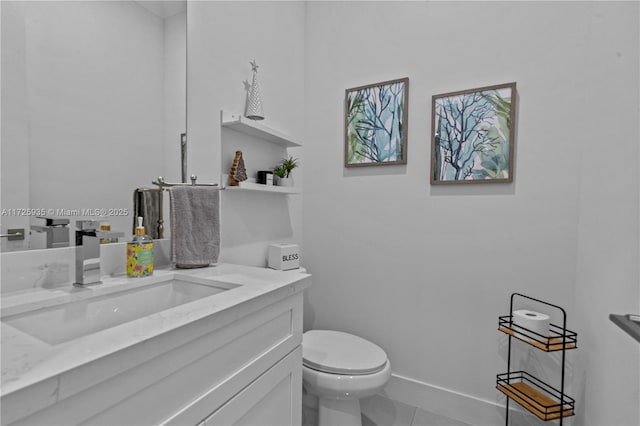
[[254, 100]]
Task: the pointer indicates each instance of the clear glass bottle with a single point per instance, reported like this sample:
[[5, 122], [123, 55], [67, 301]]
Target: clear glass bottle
[[140, 253]]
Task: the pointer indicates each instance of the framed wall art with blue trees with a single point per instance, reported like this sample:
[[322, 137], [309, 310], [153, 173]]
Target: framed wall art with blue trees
[[376, 124], [473, 134]]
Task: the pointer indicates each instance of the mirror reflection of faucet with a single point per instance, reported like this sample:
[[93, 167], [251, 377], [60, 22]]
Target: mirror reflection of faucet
[[55, 231], [88, 238]]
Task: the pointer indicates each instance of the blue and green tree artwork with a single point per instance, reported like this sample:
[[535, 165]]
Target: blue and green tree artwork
[[473, 135], [376, 123]]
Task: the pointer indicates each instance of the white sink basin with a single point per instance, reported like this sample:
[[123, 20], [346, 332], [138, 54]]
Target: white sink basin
[[104, 308]]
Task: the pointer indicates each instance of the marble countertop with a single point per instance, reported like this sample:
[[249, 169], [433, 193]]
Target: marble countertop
[[27, 360]]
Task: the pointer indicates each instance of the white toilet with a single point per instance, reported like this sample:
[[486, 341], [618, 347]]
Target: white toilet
[[340, 368]]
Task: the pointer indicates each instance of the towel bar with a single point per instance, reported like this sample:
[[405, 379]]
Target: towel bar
[[163, 184]]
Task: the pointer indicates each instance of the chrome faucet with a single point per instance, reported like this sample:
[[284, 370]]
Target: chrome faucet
[[87, 253]]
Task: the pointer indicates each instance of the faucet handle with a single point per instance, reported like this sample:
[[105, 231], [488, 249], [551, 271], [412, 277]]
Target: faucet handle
[[50, 221], [87, 225]]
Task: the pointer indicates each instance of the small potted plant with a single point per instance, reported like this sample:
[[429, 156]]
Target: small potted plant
[[283, 171]]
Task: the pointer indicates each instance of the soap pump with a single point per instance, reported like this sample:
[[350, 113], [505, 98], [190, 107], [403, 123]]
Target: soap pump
[[140, 253]]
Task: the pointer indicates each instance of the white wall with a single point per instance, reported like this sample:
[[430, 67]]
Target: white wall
[[223, 38], [89, 78], [425, 271], [607, 272], [175, 102], [15, 157], [175, 89], [115, 110]]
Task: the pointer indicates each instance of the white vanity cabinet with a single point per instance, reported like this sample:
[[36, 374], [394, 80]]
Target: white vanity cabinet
[[240, 365], [268, 400], [261, 380]]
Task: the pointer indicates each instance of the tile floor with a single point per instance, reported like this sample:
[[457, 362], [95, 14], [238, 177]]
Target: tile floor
[[381, 411]]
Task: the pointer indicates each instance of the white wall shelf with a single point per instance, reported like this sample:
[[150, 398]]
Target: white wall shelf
[[253, 128], [251, 185], [256, 130]]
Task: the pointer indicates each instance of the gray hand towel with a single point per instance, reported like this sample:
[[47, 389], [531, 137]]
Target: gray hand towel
[[195, 226]]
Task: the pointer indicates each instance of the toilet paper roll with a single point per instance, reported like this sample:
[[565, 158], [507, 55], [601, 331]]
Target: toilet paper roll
[[533, 321]]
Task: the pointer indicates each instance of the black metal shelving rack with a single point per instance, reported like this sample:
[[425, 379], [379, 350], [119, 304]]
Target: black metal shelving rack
[[538, 397]]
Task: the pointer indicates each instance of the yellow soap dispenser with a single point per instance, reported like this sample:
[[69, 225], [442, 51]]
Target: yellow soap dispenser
[[140, 253]]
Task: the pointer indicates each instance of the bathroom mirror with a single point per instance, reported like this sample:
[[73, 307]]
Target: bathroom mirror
[[93, 107]]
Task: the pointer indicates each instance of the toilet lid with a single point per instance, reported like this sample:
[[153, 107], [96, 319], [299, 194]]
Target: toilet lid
[[336, 352]]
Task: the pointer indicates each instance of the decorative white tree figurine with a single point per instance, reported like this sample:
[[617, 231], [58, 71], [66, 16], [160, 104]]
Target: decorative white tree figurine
[[254, 100]]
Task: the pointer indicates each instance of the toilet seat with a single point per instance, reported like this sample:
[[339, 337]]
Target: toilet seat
[[335, 352]]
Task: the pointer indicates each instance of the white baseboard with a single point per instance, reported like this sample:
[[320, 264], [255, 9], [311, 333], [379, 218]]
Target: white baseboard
[[456, 405]]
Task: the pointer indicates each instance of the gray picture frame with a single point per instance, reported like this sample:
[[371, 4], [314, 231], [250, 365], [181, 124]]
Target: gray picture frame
[[473, 135], [376, 117]]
